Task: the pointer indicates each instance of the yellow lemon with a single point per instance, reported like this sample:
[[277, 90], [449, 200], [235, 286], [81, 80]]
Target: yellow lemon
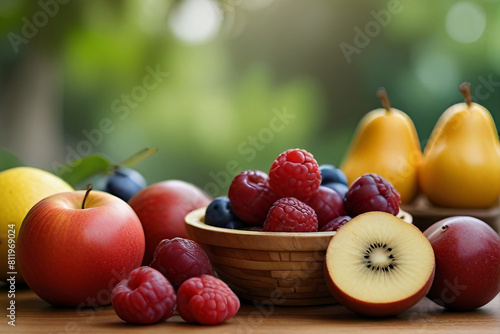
[[20, 189]]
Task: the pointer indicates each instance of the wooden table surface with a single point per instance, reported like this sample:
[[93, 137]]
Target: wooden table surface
[[33, 315]]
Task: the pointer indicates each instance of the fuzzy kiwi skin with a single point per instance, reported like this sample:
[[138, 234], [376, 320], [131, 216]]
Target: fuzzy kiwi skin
[[376, 309]]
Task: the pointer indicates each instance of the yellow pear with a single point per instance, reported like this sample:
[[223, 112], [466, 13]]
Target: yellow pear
[[461, 162], [386, 143]]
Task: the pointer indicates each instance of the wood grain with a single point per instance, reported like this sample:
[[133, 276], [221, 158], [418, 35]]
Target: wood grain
[[35, 316]]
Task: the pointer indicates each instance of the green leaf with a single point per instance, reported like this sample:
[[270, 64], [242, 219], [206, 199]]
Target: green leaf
[[85, 168], [139, 156], [9, 160], [81, 169]]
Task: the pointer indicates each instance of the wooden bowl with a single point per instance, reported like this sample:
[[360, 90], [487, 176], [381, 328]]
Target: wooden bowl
[[425, 214], [280, 268]]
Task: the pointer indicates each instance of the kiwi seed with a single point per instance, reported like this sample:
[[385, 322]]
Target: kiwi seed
[[379, 257]]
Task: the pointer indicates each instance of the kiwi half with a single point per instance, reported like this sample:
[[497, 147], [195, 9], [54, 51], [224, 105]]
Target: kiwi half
[[377, 264]]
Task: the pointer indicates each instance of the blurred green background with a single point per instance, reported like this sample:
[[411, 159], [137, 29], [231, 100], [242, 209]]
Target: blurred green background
[[224, 86]]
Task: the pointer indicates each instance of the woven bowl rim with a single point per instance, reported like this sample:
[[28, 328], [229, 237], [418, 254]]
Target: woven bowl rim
[[254, 240], [244, 239]]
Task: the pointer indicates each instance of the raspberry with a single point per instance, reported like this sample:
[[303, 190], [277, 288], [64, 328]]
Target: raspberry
[[179, 259], [335, 224], [145, 297], [327, 204], [288, 214], [251, 197], [371, 192], [295, 173], [206, 300]]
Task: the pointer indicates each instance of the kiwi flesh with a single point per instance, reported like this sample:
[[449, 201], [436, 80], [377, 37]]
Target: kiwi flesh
[[376, 258]]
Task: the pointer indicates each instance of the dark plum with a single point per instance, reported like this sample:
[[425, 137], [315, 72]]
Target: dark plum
[[179, 259], [335, 224], [124, 183], [327, 204], [251, 196]]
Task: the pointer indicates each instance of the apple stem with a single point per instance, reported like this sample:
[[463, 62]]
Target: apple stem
[[444, 227], [89, 188], [384, 99], [465, 90]]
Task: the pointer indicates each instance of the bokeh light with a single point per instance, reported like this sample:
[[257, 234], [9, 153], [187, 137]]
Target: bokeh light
[[466, 22], [437, 70], [195, 21]]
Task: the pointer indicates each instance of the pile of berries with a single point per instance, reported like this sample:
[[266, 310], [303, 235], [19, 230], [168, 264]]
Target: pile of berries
[[298, 195], [179, 278]]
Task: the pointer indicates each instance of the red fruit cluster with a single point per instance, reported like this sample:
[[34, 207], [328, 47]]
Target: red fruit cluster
[[147, 295], [258, 198], [291, 197]]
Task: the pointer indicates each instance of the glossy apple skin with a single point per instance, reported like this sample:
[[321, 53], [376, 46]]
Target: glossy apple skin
[[162, 207], [467, 252], [74, 257], [376, 309]]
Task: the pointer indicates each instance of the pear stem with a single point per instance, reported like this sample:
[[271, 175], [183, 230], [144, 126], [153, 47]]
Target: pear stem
[[384, 99], [465, 90], [89, 188]]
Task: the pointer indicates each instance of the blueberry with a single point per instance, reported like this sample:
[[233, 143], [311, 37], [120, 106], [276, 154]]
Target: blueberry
[[219, 212], [330, 173], [338, 187], [124, 183], [235, 224]]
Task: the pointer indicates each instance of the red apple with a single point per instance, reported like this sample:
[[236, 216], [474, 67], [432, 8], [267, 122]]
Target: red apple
[[161, 207], [71, 256], [467, 254]]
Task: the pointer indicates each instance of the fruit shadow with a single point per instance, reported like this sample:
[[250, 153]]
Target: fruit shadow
[[172, 324], [419, 317], [423, 314]]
